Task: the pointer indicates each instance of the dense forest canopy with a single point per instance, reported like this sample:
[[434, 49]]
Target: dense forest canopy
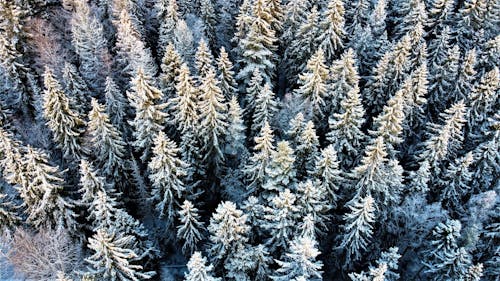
[[206, 140]]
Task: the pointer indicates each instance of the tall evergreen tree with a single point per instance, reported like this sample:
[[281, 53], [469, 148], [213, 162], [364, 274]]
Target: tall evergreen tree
[[331, 29], [255, 169], [113, 257], [300, 262], [62, 121], [76, 89], [149, 117], [116, 103], [170, 69], [190, 228], [226, 75], [345, 133], [167, 171], [280, 171], [313, 84], [343, 78], [106, 143], [198, 270], [328, 172], [358, 228], [265, 108]]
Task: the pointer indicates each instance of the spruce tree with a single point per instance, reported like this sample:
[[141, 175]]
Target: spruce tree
[[331, 29], [307, 150], [90, 183], [303, 45], [213, 120], [358, 228], [88, 38], [62, 121], [313, 84], [76, 89], [265, 108], [235, 137], [113, 257], [313, 201], [170, 69], [184, 106], [226, 75], [106, 143], [190, 228], [228, 230], [328, 172], [168, 14], [486, 157], [482, 100], [8, 214], [198, 270], [456, 181], [300, 261], [343, 78], [258, 46], [42, 197], [345, 133], [204, 61], [466, 76], [443, 81], [149, 117], [255, 169], [253, 90], [209, 17], [116, 103], [166, 173], [281, 219], [280, 171]]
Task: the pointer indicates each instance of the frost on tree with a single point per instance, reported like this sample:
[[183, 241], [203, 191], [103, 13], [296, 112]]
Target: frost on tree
[[255, 169], [113, 257], [198, 270], [190, 228]]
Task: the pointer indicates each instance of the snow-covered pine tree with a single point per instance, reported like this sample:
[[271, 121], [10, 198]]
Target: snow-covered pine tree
[[11, 159], [190, 228], [486, 159], [116, 103], [296, 126], [444, 139], [41, 196], [166, 173], [466, 76], [90, 183], [280, 219], [212, 120], [184, 106], [356, 16], [387, 264], [441, 14], [198, 270], [132, 52], [184, 41], [88, 38], [8, 213], [255, 169], [308, 150], [300, 262], [265, 108], [331, 29], [235, 137], [410, 14], [345, 133], [483, 99], [390, 72], [76, 89], [149, 117], [342, 79], [228, 230], [257, 46], [313, 84], [328, 172], [170, 69], [456, 181], [313, 201], [358, 228], [295, 12], [62, 121], [303, 45], [210, 19], [253, 90], [443, 81], [106, 143], [114, 257], [469, 22], [280, 172], [226, 75], [168, 15], [388, 124], [414, 93], [204, 60]]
